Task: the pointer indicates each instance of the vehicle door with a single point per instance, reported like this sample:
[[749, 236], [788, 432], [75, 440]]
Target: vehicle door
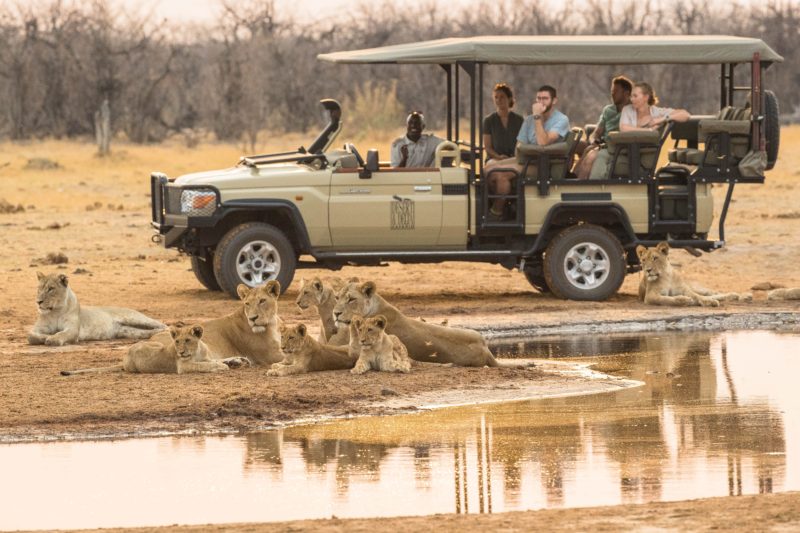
[[393, 208]]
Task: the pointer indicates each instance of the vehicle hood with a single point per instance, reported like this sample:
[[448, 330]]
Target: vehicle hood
[[242, 176]]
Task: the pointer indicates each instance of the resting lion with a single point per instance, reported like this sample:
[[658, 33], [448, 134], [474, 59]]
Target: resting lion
[[62, 320], [784, 294], [187, 354], [425, 342], [250, 332], [376, 349], [323, 297], [662, 285], [305, 354]]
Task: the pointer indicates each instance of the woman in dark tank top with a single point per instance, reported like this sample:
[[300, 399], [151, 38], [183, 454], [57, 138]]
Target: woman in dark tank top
[[500, 128]]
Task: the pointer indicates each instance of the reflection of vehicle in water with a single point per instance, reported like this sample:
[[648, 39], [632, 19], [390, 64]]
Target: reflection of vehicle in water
[[251, 223]]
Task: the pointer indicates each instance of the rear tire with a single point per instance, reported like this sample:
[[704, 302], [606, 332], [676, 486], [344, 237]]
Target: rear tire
[[252, 254], [584, 262], [772, 127], [203, 269]]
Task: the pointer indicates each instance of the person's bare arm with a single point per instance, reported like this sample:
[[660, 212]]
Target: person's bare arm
[[598, 132], [487, 145]]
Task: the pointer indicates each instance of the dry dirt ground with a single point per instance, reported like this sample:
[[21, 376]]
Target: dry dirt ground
[[96, 214]]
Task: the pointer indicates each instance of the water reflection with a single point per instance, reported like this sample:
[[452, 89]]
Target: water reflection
[[717, 415]]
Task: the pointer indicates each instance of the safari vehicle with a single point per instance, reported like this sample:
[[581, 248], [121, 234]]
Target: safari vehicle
[[253, 222]]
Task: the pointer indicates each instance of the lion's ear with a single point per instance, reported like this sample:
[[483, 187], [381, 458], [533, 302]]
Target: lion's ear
[[173, 331], [242, 290], [197, 331], [301, 329], [40, 276], [663, 247], [317, 284], [357, 320], [641, 251], [63, 279], [380, 321], [368, 289], [273, 287], [354, 279]]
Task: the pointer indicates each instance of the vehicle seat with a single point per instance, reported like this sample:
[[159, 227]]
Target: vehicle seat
[[621, 144], [733, 121], [558, 156], [341, 159]]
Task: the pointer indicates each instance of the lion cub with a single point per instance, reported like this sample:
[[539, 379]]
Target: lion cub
[[784, 294], [193, 355], [376, 349], [661, 285], [305, 354]]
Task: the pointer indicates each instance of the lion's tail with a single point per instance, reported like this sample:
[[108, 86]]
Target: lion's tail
[[115, 368]]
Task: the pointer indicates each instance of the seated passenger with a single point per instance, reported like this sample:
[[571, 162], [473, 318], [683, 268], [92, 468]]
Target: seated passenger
[[414, 149], [546, 125], [500, 129], [641, 114], [609, 121]]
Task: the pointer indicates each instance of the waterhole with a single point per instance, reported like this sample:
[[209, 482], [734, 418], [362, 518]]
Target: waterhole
[[717, 415]]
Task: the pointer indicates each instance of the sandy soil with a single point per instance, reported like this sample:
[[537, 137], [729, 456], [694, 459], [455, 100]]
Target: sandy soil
[[96, 213]]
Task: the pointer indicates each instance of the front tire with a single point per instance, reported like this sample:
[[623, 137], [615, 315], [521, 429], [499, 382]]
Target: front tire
[[253, 254], [203, 269], [584, 262]]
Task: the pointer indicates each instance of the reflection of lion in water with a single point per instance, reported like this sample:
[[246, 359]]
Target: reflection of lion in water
[[376, 349], [425, 342], [784, 294], [662, 285], [304, 354], [62, 320]]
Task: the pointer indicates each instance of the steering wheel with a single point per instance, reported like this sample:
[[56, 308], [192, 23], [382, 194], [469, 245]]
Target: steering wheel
[[352, 149]]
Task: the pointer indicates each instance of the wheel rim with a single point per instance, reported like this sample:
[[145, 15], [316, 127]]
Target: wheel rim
[[257, 262], [586, 266]]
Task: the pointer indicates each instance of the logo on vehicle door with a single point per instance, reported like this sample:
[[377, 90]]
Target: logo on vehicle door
[[402, 214]]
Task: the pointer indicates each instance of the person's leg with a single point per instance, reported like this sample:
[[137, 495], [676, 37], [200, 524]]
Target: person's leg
[[600, 166], [584, 166]]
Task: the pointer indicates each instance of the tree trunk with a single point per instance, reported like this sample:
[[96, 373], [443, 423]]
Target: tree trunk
[[102, 129]]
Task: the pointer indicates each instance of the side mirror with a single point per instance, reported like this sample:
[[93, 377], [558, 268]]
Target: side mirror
[[371, 165]]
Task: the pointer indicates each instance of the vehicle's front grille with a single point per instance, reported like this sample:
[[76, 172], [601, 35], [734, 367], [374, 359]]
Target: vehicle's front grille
[[172, 200]]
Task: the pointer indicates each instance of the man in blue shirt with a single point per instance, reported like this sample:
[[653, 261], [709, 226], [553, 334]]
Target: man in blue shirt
[[546, 125]]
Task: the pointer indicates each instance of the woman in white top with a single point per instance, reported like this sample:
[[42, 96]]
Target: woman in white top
[[642, 113]]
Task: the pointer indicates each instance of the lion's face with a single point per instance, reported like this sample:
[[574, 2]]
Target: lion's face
[[293, 339], [52, 291], [370, 330], [260, 304], [655, 262], [310, 293], [186, 340], [353, 299]]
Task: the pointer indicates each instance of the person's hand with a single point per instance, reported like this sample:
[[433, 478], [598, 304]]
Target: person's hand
[[404, 151], [538, 108]]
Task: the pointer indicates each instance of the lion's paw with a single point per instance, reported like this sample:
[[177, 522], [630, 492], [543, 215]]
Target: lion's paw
[[709, 302], [54, 341], [684, 300], [236, 362]]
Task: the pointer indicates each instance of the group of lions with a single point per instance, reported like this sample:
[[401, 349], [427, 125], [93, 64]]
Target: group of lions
[[359, 329]]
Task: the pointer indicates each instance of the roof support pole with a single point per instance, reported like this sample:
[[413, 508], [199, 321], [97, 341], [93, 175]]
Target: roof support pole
[[480, 116], [449, 72], [469, 69], [457, 106]]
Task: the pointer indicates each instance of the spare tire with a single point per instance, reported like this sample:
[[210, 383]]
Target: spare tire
[[772, 127]]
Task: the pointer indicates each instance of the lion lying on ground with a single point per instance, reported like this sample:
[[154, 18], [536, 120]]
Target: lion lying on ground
[[784, 294], [62, 320], [376, 349], [187, 354], [250, 332], [662, 285], [425, 342], [323, 297], [305, 354]]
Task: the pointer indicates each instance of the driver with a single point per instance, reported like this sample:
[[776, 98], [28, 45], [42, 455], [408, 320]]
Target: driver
[[414, 149]]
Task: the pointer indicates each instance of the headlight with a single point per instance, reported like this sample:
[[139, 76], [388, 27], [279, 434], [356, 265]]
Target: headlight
[[198, 203]]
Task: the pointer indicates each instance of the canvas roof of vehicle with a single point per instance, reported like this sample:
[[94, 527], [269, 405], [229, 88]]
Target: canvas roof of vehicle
[[572, 49]]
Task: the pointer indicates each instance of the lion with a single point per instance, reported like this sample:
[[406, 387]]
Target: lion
[[661, 285], [377, 350], [784, 294], [306, 354], [425, 342], [187, 354], [62, 320], [250, 332], [323, 297]]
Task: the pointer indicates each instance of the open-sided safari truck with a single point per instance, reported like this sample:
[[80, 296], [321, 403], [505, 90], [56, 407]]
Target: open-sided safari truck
[[252, 222]]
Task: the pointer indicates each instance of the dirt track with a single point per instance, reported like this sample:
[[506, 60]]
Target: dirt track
[[96, 213]]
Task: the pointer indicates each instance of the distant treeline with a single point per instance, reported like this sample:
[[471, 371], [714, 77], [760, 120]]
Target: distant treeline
[[254, 72]]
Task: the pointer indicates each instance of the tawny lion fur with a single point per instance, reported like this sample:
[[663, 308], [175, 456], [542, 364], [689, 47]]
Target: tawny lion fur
[[305, 354], [376, 349]]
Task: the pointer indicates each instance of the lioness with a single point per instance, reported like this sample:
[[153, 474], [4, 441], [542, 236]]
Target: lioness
[[784, 294], [251, 332], [305, 354], [323, 297], [377, 350], [62, 320], [661, 285], [425, 342]]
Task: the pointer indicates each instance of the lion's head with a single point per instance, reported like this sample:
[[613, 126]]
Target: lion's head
[[293, 339], [260, 304], [186, 340], [370, 330], [310, 293], [52, 291], [354, 298], [655, 262]]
